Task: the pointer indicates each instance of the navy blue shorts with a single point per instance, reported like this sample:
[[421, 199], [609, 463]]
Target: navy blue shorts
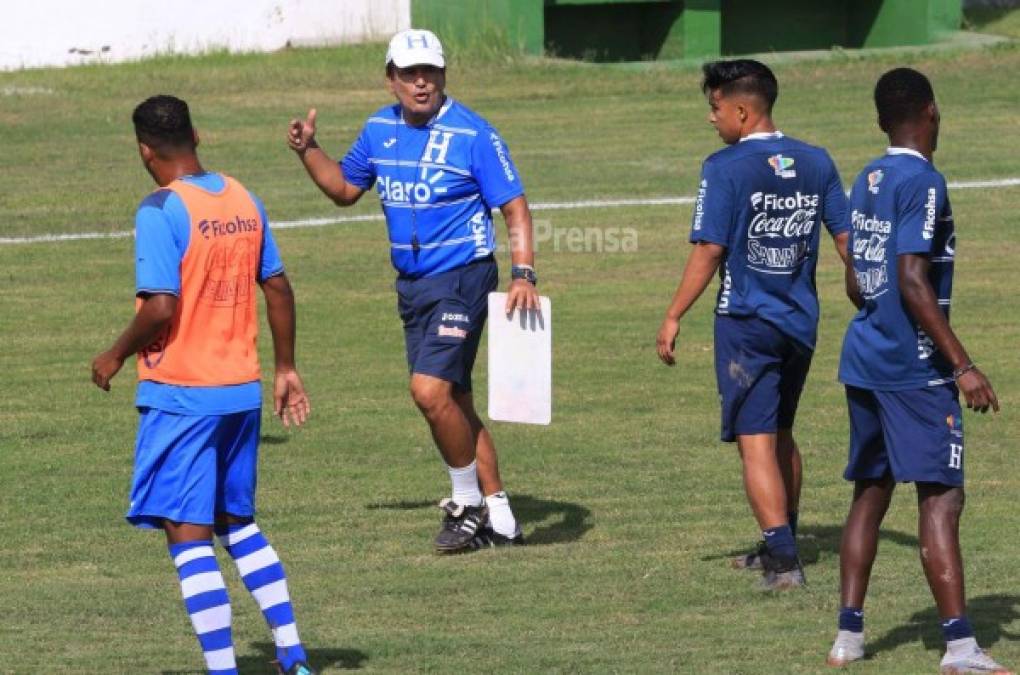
[[443, 319], [760, 372], [188, 468], [916, 435]]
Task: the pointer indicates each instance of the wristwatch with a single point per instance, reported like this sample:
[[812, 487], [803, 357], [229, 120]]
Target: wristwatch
[[526, 272]]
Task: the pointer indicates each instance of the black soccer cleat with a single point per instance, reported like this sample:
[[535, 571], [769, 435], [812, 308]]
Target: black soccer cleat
[[489, 538], [781, 574], [460, 525]]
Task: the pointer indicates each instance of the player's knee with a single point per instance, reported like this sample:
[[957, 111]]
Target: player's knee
[[945, 506], [430, 397]]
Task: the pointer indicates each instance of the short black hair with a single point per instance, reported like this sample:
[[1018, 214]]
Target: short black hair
[[743, 76], [164, 123], [900, 96]]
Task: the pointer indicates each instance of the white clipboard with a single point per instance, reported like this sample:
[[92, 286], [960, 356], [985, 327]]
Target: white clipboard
[[520, 363]]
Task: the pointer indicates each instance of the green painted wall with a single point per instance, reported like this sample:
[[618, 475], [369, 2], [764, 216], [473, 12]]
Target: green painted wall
[[633, 30], [483, 24], [702, 28], [785, 26]]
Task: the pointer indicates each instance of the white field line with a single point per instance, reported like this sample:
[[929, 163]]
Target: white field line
[[990, 184]]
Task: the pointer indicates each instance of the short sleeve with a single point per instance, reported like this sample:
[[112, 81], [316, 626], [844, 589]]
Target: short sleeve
[[713, 209], [836, 207], [357, 169], [161, 238], [270, 263], [493, 169], [919, 201]]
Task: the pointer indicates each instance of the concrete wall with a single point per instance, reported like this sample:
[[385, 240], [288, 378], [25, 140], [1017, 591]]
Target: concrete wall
[[68, 32]]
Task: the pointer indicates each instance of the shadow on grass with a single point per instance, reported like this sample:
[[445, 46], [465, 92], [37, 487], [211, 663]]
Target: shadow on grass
[[271, 439], [989, 614], [320, 659], [569, 521], [402, 505], [813, 540], [342, 659]]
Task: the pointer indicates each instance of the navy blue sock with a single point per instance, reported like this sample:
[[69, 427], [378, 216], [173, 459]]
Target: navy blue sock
[[851, 619], [791, 517], [956, 628], [780, 542]]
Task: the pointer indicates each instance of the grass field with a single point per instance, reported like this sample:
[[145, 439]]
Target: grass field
[[631, 503]]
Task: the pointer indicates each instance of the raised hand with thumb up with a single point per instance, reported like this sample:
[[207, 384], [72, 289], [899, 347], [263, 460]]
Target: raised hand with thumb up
[[301, 133]]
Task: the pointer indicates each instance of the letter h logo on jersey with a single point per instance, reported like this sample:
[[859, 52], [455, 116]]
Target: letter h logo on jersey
[[437, 147]]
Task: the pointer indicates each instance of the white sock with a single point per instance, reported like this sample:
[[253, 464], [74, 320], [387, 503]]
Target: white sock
[[465, 485], [962, 647], [500, 516]]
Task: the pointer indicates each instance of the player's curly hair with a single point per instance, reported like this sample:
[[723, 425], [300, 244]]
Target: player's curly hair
[[901, 94], [743, 76], [164, 123]]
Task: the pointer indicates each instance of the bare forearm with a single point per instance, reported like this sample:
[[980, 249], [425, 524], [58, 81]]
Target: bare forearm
[[853, 291], [282, 317], [520, 231], [327, 175], [152, 318], [140, 333], [701, 266], [923, 305]]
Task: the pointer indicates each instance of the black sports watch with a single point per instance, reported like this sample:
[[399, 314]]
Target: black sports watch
[[526, 272]]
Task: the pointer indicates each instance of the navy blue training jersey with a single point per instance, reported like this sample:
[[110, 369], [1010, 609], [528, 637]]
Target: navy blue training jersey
[[437, 185], [764, 199], [900, 206]]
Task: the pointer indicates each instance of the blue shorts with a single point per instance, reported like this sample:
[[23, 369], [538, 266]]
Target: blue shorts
[[916, 435], [188, 468], [760, 372], [443, 319]]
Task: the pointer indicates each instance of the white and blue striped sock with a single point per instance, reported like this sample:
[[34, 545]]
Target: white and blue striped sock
[[263, 575], [205, 598]]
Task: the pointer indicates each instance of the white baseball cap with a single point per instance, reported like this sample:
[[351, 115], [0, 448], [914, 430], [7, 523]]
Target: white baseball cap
[[414, 47]]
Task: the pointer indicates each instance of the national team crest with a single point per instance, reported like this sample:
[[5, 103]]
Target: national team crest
[[874, 178], [955, 424], [783, 166]]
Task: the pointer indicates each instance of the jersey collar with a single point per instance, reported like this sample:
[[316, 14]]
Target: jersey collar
[[763, 136], [895, 150]]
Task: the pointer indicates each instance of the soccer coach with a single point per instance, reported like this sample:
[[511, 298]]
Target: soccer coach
[[440, 169]]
